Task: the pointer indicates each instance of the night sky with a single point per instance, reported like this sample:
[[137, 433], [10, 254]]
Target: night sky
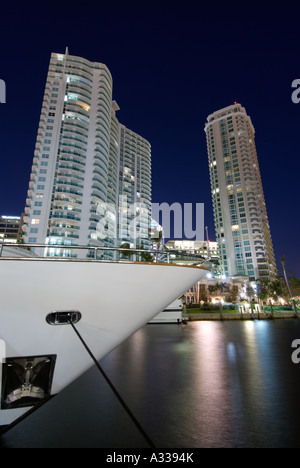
[[173, 63]]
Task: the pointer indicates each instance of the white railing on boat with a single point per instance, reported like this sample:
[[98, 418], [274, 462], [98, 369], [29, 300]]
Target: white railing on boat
[[99, 252]]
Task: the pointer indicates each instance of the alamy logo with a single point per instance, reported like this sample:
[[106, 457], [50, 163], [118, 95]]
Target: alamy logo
[[2, 92], [182, 221], [296, 93], [296, 353]]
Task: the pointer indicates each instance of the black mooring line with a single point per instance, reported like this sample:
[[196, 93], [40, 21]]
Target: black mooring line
[[127, 409]]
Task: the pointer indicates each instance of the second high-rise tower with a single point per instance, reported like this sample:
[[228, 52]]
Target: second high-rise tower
[[241, 221]]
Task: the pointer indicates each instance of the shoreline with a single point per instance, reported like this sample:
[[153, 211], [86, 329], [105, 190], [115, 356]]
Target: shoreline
[[237, 316]]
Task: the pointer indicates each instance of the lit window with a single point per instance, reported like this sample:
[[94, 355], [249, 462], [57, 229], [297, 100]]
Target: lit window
[[35, 221]]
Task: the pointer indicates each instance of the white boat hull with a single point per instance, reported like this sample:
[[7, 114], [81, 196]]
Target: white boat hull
[[114, 299]]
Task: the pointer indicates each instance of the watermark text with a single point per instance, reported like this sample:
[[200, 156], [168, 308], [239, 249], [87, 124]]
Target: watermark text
[[2, 92], [296, 93], [296, 353], [181, 221], [187, 220]]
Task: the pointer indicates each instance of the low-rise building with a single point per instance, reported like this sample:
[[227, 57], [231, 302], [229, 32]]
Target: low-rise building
[[219, 290], [10, 229], [204, 248]]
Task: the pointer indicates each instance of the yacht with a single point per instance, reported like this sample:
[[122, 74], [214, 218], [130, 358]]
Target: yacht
[[44, 300], [171, 314]]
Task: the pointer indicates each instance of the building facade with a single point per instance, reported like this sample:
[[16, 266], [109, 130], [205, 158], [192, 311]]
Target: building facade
[[134, 190], [240, 214], [82, 157]]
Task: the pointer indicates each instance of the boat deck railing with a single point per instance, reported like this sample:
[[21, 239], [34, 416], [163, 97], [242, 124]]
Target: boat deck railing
[[80, 252]]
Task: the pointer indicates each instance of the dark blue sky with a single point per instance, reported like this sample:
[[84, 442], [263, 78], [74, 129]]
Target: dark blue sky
[[173, 63]]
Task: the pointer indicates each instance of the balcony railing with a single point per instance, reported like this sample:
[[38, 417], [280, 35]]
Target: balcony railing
[[98, 253]]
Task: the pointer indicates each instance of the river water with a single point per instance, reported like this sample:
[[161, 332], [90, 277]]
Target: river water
[[204, 384]]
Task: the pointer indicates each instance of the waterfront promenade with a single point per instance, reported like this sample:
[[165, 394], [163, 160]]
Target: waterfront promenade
[[190, 316]]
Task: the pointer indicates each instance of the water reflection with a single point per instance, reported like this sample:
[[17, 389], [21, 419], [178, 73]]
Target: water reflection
[[218, 379], [212, 410], [206, 384]]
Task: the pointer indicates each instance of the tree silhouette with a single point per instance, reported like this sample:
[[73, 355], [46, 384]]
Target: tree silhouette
[[285, 275]]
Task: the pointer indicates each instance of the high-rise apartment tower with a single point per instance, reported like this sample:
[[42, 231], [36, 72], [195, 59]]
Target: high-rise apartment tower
[[89, 172], [241, 221]]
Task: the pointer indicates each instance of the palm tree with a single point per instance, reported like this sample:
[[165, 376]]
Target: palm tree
[[250, 292], [146, 257], [285, 275]]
